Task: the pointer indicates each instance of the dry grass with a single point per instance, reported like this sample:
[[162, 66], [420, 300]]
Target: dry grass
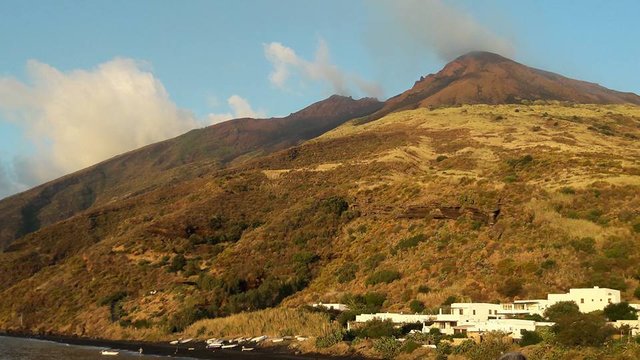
[[270, 322]]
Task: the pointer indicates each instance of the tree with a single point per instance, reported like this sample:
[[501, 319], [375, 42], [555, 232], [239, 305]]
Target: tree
[[416, 306], [530, 338], [512, 287], [561, 309], [620, 311], [582, 330]]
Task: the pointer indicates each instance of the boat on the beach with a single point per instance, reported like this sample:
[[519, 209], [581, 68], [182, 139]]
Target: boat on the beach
[[229, 346], [258, 339], [247, 349], [174, 342], [277, 340], [184, 341], [214, 346], [109, 352]]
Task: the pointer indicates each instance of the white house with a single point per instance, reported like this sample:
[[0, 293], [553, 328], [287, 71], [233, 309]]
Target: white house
[[337, 307], [395, 318], [588, 299], [634, 326], [461, 315], [513, 327], [524, 307]]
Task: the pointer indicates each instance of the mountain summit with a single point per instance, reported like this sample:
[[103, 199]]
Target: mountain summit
[[487, 78]]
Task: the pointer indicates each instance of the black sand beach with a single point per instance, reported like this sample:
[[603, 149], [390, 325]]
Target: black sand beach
[[198, 351]]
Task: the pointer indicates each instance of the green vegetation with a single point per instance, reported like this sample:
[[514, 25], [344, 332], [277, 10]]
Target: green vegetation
[[346, 272], [416, 306], [410, 242], [383, 276], [620, 311]]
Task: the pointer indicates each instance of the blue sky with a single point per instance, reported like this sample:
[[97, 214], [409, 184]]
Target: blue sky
[[63, 63]]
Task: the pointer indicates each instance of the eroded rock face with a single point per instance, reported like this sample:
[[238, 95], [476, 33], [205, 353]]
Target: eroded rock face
[[450, 212]]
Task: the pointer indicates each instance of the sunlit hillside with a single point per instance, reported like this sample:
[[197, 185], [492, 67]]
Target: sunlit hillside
[[478, 202]]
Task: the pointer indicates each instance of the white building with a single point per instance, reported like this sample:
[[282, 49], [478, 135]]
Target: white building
[[512, 327], [588, 299], [462, 314], [395, 318], [524, 307], [338, 307], [634, 326]]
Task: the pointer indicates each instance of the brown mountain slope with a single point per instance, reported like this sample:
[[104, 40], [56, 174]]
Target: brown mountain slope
[[395, 206], [487, 78], [168, 161]]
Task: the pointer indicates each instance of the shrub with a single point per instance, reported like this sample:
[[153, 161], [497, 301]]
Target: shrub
[[620, 311], [567, 190], [520, 162], [561, 309], [410, 242], [636, 293], [346, 272], [587, 245], [177, 263], [335, 205], [548, 264], [112, 298], [373, 261], [510, 178], [512, 287], [185, 317], [636, 228], [388, 347], [330, 338], [441, 158], [582, 330], [530, 338], [450, 300], [383, 276], [409, 346], [375, 329], [416, 306], [423, 289]]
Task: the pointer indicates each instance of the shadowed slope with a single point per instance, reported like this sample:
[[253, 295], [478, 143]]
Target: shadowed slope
[[165, 162]]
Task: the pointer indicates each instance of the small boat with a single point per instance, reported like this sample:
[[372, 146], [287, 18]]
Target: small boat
[[109, 352], [191, 349], [247, 349], [185, 341], [213, 341], [277, 340], [257, 339], [301, 338], [230, 346], [174, 342], [214, 346]]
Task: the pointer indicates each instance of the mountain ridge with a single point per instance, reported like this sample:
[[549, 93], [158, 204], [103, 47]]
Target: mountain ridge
[[487, 78]]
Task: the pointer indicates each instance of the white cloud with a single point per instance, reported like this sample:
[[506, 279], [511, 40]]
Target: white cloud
[[75, 119], [287, 64], [240, 108], [436, 25]]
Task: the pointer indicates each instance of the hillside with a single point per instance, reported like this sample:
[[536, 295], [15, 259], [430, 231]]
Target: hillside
[[166, 162], [479, 202], [487, 78]]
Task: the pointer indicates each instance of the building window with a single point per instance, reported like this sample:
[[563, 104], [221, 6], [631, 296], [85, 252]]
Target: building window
[[609, 301], [474, 312], [581, 301], [461, 311]]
